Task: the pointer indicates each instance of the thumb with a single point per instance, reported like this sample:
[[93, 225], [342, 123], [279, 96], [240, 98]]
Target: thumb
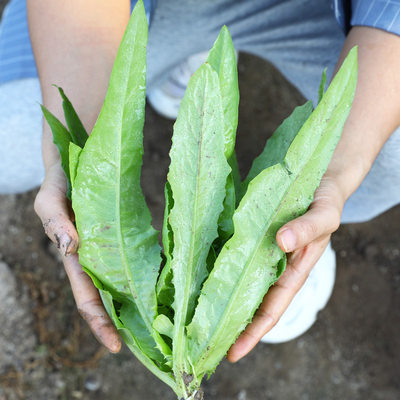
[[322, 218]]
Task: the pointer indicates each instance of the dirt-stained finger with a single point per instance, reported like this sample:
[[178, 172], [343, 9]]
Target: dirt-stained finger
[[90, 306], [54, 211], [61, 231]]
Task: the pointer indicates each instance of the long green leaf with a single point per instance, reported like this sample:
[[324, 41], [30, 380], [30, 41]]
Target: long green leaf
[[74, 154], [222, 58], [75, 126], [117, 242], [197, 176], [225, 222], [237, 180], [247, 265], [278, 144], [322, 85], [129, 318], [165, 288], [61, 138], [251, 260], [132, 342]]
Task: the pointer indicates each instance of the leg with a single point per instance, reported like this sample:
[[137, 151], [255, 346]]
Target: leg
[[20, 117], [21, 163], [299, 39]]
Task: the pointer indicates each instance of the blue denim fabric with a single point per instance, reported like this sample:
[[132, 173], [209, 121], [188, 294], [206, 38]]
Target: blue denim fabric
[[381, 14]]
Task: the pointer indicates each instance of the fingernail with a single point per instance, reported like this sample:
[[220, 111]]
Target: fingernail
[[115, 347], [288, 239], [70, 247], [64, 243]]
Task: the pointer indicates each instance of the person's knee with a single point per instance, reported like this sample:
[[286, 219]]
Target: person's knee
[[21, 166], [19, 185]]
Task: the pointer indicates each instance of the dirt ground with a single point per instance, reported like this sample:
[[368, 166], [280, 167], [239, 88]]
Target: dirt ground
[[352, 352]]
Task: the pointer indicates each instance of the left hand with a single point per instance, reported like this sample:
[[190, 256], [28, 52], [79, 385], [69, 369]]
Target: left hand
[[54, 210], [305, 238]]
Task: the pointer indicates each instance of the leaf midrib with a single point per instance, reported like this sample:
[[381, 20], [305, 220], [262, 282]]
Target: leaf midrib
[[181, 326], [121, 242]]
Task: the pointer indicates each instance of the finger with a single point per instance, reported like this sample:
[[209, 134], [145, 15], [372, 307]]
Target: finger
[[90, 306], [52, 207], [278, 298], [323, 218]]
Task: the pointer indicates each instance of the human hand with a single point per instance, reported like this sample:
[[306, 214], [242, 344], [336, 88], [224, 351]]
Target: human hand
[[53, 208], [367, 128], [305, 238]]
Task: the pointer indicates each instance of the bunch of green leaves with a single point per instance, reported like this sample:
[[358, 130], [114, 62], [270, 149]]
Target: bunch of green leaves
[[219, 252]]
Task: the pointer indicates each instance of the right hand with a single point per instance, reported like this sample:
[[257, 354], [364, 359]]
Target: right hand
[[53, 208]]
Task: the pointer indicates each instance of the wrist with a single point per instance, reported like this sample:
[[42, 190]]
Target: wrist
[[345, 173], [55, 179], [375, 111]]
